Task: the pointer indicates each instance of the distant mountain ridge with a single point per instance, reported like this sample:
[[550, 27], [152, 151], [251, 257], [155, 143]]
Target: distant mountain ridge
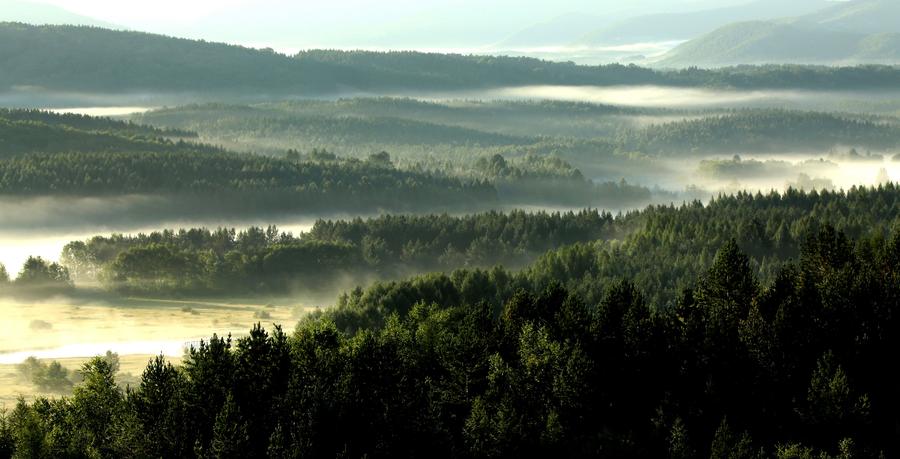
[[853, 32], [42, 13], [90, 60], [688, 25]]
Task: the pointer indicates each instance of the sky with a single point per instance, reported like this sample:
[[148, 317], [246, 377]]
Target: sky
[[161, 11], [349, 23], [550, 29]]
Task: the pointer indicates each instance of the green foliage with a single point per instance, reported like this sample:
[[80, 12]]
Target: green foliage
[[39, 275], [728, 445], [201, 260], [7, 438], [93, 59], [50, 377], [492, 370], [662, 250], [34, 131], [762, 131], [831, 402]]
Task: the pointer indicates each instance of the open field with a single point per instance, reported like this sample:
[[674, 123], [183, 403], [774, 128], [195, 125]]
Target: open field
[[137, 329]]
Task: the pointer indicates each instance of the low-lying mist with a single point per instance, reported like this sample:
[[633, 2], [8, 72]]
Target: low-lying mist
[[643, 96], [766, 172], [41, 226], [648, 96]]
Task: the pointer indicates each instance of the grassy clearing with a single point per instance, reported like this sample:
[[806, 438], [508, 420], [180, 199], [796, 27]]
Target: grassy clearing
[[65, 329]]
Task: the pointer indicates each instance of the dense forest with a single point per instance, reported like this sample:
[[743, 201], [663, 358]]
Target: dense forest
[[764, 131], [239, 181], [601, 141], [37, 277], [797, 367], [33, 131], [45, 154], [333, 255], [91, 124], [420, 254], [661, 249], [87, 59]]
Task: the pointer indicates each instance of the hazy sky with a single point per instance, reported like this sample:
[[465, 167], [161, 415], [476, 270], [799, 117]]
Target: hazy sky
[[162, 11], [355, 22], [431, 25]]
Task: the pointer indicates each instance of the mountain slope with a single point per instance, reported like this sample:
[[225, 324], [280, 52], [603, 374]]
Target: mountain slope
[[859, 16], [684, 26], [56, 61], [856, 32], [560, 30]]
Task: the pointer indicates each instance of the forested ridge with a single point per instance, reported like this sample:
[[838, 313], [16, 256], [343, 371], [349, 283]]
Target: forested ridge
[[30, 131], [45, 154], [91, 123], [661, 249], [796, 365], [74, 58], [762, 131], [582, 133], [331, 255]]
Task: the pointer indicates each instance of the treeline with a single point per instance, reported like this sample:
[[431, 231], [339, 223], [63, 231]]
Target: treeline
[[31, 131], [240, 181], [549, 180], [738, 168], [750, 131], [92, 123], [662, 250], [795, 368], [482, 123], [239, 125], [37, 277], [418, 131], [50, 154], [332, 256], [69, 58]]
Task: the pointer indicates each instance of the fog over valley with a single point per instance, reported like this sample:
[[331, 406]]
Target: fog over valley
[[451, 229]]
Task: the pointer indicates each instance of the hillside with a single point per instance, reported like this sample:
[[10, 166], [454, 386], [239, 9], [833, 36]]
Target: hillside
[[688, 25], [88, 60], [850, 33], [860, 16], [45, 154], [31, 131]]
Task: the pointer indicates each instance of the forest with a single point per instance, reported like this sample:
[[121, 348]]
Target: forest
[[419, 128], [660, 249], [90, 59], [765, 131], [331, 256], [257, 250], [736, 367], [34, 131], [534, 152], [47, 154]]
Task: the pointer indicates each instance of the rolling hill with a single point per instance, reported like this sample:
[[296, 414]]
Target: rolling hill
[[89, 60], [688, 25], [849, 33]]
